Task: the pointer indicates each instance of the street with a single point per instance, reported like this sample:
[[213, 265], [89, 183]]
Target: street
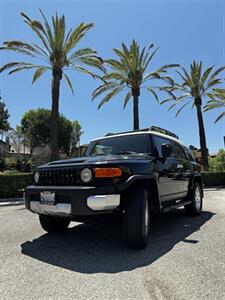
[[185, 258]]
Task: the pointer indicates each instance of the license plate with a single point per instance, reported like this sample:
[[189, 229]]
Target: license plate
[[47, 198]]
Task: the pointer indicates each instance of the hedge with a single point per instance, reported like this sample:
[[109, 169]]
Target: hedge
[[211, 179], [14, 184]]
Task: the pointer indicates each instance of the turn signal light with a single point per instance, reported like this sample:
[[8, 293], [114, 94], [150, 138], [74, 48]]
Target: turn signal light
[[107, 172]]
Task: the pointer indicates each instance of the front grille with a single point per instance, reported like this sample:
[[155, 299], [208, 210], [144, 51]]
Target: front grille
[[58, 177]]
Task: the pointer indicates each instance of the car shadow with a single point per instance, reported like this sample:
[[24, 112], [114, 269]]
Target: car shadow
[[100, 248]]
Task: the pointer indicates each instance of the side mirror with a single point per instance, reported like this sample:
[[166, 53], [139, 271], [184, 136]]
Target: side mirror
[[166, 150]]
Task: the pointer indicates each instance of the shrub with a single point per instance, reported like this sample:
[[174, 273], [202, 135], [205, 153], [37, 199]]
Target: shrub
[[217, 164], [211, 179], [10, 163], [14, 184]]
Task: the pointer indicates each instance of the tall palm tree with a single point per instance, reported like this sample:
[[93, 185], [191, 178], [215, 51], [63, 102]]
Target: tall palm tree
[[194, 87], [57, 53], [217, 100], [128, 73]]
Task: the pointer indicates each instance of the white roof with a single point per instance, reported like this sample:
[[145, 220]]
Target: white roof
[[142, 132]]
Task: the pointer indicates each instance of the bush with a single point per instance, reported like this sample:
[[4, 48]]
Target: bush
[[217, 164], [14, 184], [10, 163], [211, 179]]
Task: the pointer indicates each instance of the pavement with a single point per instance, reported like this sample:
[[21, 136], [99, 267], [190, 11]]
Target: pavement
[[184, 260]]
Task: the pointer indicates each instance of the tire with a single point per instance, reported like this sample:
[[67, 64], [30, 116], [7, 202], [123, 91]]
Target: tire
[[195, 207], [53, 224], [137, 218]]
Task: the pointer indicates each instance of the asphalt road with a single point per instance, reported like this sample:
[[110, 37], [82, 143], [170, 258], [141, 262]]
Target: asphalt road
[[185, 258]]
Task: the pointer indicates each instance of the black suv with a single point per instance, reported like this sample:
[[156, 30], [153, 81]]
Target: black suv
[[129, 175]]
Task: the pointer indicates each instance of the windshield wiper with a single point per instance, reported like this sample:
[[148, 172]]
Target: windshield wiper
[[132, 152], [126, 152]]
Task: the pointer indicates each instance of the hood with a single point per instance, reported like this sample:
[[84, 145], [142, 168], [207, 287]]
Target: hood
[[98, 159]]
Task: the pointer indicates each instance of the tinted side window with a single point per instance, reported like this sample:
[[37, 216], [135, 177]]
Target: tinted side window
[[189, 154], [180, 151], [158, 141]]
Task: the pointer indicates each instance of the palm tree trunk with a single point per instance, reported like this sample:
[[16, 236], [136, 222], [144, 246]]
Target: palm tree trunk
[[135, 94], [55, 115], [204, 150]]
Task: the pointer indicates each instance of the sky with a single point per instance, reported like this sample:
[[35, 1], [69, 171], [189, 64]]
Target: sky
[[184, 30]]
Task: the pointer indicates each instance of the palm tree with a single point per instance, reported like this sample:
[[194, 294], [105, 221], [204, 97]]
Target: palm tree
[[128, 73], [57, 53], [217, 100], [195, 87]]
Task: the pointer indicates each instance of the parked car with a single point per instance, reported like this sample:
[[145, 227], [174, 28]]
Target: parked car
[[130, 175]]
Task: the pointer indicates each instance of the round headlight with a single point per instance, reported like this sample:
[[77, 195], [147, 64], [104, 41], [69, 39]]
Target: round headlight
[[36, 177], [86, 175]]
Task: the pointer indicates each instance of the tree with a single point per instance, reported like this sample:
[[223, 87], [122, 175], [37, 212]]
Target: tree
[[128, 73], [57, 54], [36, 125], [217, 100], [194, 87], [217, 164], [4, 116], [76, 134], [17, 139]]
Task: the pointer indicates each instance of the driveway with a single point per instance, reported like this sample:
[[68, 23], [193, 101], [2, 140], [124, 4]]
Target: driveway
[[185, 258]]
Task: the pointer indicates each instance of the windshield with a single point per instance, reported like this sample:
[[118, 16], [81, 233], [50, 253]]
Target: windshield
[[127, 144]]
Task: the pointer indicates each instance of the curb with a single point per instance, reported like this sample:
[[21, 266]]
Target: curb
[[11, 201]]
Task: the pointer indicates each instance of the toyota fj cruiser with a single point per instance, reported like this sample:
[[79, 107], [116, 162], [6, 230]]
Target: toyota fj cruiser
[[129, 174]]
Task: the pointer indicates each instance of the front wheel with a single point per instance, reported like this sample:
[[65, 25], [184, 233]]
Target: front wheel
[[53, 224], [195, 207], [137, 218]]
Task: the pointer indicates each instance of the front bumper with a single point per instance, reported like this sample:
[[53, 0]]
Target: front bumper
[[73, 200]]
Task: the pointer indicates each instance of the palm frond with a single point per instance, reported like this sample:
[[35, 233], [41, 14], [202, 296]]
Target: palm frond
[[48, 32], [127, 98], [76, 35], [83, 70], [114, 76], [153, 93], [206, 74], [181, 108], [36, 28], [220, 117], [213, 83], [22, 69], [92, 61], [109, 96], [149, 59], [14, 64], [68, 82], [103, 88], [166, 100], [82, 52], [38, 73], [213, 76]]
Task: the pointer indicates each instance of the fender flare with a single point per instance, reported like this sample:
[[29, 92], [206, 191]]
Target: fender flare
[[136, 178]]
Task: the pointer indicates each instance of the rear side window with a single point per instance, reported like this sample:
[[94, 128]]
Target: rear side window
[[158, 141], [189, 154], [180, 151]]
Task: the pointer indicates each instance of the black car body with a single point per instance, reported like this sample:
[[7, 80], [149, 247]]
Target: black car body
[[143, 171]]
